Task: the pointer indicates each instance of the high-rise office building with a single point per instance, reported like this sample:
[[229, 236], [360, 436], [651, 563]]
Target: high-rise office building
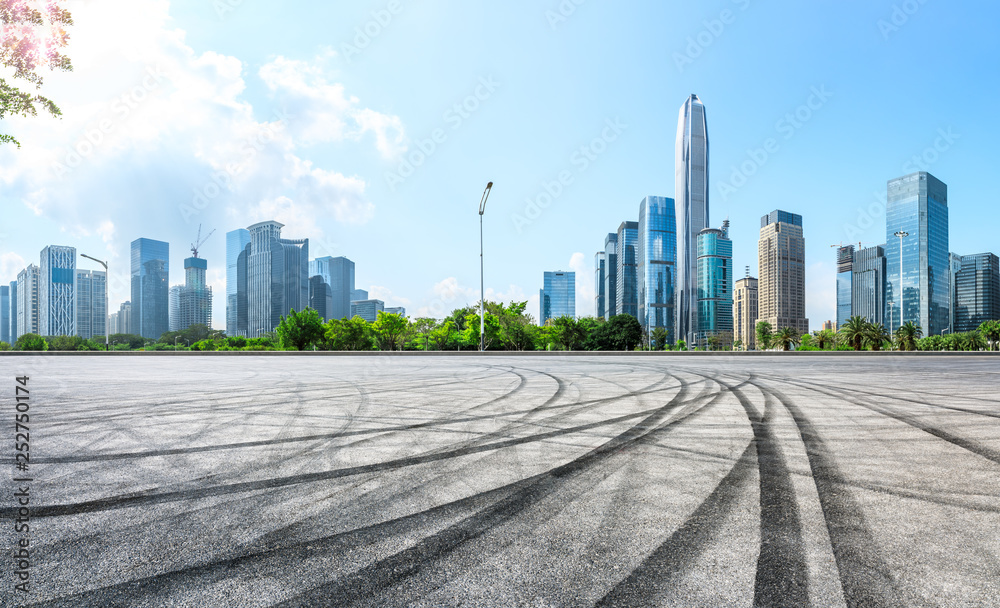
[[57, 291], [113, 324], [691, 200], [845, 281], [627, 289], [277, 277], [236, 298], [715, 286], [558, 296], [13, 312], [27, 301], [781, 255], [610, 275], [599, 285], [745, 312], [956, 265], [396, 310], [367, 309], [867, 285], [5, 314], [656, 265], [125, 318], [150, 316], [359, 295], [338, 274], [321, 297], [918, 206], [191, 303], [91, 303], [977, 291], [174, 305]]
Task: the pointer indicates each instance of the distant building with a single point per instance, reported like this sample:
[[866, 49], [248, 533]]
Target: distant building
[[174, 306], [27, 301], [610, 275], [868, 275], [113, 324], [745, 312], [321, 297], [396, 310], [956, 265], [845, 281], [150, 316], [715, 285], [237, 314], [125, 318], [558, 296], [977, 291], [194, 298], [358, 295], [781, 253], [599, 284], [691, 188], [5, 314], [627, 290], [13, 312], [57, 291], [277, 277], [338, 274], [91, 303], [829, 326], [918, 205], [367, 309], [656, 265]]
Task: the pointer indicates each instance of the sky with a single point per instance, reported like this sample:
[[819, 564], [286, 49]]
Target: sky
[[372, 128]]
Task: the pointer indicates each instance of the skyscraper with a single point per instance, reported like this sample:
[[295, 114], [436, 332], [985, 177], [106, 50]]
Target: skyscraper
[[745, 312], [599, 285], [781, 253], [691, 201], [13, 312], [868, 285], [27, 301], [627, 289], [277, 277], [715, 286], [125, 317], [150, 316], [358, 295], [91, 305], [193, 298], [338, 274], [367, 309], [977, 291], [558, 296], [5, 314], [174, 305], [656, 265], [956, 266], [57, 291], [236, 308], [918, 206], [610, 275], [321, 297], [845, 280]]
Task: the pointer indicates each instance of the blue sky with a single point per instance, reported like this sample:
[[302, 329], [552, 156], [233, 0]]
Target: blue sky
[[282, 111]]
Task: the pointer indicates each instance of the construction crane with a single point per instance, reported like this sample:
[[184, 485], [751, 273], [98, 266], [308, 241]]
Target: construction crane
[[198, 242], [859, 244]]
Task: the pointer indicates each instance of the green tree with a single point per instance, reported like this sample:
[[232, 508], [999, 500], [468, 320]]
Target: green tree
[[470, 336], [682, 345], [31, 342], [300, 330], [570, 334], [349, 334], [4, 346], [660, 337], [422, 329], [991, 331], [517, 328], [622, 332], [907, 336], [64, 343], [877, 336], [389, 330], [854, 332], [764, 335], [133, 341], [446, 336], [786, 338], [825, 339]]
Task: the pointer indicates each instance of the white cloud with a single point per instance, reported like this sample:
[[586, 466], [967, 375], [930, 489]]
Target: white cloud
[[10, 264], [377, 292], [448, 294], [578, 263]]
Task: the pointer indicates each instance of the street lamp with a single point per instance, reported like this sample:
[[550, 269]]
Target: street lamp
[[902, 235], [482, 270], [107, 277]]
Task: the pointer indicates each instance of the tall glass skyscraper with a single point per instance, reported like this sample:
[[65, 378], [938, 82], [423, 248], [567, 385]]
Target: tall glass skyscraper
[[918, 205], [57, 291], [845, 280], [868, 284], [150, 288], [599, 284], [5, 314], [610, 275], [715, 285], [236, 309], [13, 312], [91, 305], [338, 274], [558, 297], [320, 296], [627, 289], [277, 277], [27, 301], [691, 201], [977, 291], [194, 298], [656, 265]]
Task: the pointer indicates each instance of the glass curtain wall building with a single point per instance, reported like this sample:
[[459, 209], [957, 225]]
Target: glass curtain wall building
[[338, 274], [691, 196], [599, 285], [150, 316], [977, 291], [236, 309], [627, 289], [868, 273], [656, 265], [845, 282], [610, 275], [277, 277], [13, 312], [27, 301], [194, 298], [367, 309], [321, 297], [57, 291], [715, 286], [918, 205], [5, 314], [558, 296], [91, 303]]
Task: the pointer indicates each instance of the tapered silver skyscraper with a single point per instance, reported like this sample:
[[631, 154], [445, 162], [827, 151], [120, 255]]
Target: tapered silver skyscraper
[[691, 210]]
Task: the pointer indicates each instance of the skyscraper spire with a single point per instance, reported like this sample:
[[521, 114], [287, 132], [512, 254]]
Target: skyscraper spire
[[691, 202]]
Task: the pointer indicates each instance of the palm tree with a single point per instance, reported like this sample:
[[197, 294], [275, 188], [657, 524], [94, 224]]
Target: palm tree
[[990, 331], [854, 332], [907, 336], [876, 335], [975, 341], [786, 338], [824, 338]]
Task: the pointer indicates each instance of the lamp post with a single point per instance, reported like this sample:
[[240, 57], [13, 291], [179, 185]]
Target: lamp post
[[901, 234], [482, 270], [107, 277]]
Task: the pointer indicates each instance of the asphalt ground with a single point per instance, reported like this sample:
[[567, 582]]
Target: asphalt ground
[[506, 481]]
